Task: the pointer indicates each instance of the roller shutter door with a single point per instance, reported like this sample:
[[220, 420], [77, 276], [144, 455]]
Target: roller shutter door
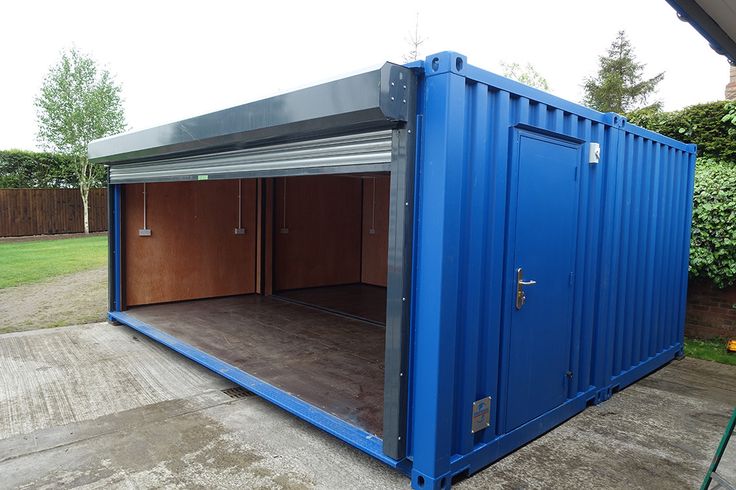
[[364, 152]]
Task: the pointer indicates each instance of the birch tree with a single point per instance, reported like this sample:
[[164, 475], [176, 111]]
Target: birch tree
[[526, 74], [78, 102], [415, 41]]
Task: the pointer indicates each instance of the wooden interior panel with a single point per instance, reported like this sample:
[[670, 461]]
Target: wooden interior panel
[[376, 192], [193, 251], [317, 231], [267, 232], [259, 235]]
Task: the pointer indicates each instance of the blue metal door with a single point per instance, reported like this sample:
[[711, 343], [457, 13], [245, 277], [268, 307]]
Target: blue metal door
[[542, 236]]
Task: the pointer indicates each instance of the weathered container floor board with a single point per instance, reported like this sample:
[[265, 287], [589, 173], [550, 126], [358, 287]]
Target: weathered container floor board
[[328, 360], [361, 300]]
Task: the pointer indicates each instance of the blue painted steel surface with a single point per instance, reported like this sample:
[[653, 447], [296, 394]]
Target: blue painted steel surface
[[630, 235], [115, 237], [503, 180], [542, 229]]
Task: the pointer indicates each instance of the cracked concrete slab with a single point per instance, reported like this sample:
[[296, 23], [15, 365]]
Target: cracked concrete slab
[[98, 406], [658, 433], [56, 377]]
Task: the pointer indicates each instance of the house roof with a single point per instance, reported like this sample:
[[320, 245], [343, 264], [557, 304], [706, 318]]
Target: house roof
[[715, 20]]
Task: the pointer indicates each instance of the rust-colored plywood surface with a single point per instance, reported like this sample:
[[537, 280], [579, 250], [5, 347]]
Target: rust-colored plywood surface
[[375, 230], [317, 231], [259, 236], [193, 251], [267, 225]]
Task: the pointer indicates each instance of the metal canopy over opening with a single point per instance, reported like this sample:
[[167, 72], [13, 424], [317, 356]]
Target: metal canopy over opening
[[374, 100]]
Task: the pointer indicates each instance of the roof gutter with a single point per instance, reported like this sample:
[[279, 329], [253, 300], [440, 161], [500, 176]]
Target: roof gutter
[[690, 11]]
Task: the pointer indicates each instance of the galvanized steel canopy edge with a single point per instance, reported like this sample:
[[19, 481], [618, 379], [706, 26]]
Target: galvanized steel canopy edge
[[368, 101]]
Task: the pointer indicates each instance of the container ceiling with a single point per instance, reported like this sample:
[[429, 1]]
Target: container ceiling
[[714, 19]]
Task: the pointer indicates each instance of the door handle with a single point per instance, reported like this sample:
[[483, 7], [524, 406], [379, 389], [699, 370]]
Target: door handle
[[520, 283]]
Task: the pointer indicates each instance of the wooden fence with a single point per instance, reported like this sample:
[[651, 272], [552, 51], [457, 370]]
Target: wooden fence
[[26, 212]]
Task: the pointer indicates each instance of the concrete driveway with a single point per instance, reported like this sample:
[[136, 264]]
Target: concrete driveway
[[100, 406]]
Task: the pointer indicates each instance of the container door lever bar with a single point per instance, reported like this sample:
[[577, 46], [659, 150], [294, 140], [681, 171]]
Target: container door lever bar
[[520, 283]]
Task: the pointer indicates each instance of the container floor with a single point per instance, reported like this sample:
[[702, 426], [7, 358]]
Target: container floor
[[328, 360], [359, 300]]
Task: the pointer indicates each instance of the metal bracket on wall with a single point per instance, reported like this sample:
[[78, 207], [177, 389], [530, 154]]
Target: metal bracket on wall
[[240, 230], [284, 229], [145, 231], [372, 230]]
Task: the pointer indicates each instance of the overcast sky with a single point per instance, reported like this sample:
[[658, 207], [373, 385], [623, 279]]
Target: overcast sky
[[179, 59]]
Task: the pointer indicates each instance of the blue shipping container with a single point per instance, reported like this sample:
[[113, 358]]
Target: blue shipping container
[[537, 249]]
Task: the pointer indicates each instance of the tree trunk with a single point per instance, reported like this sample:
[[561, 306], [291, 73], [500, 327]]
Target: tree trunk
[[85, 205]]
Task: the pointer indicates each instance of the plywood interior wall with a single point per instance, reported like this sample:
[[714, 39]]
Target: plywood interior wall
[[325, 236], [374, 269], [317, 231], [193, 251]]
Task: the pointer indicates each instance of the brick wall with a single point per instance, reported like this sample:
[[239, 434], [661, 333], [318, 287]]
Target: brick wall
[[731, 87], [711, 312]]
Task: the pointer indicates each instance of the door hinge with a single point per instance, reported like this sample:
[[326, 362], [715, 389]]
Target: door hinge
[[572, 278]]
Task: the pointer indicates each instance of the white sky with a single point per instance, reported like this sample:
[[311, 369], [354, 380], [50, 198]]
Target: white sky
[[179, 59]]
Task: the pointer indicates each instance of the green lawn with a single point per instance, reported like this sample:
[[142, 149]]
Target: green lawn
[[33, 261], [27, 262], [710, 350]]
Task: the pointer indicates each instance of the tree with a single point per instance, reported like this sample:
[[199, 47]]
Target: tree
[[619, 85], [78, 103], [415, 41], [527, 75]]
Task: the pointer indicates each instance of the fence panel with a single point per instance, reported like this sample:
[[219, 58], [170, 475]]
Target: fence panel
[[26, 212]]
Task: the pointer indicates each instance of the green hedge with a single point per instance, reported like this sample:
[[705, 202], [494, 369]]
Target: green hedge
[[708, 125], [713, 244], [712, 127], [28, 169]]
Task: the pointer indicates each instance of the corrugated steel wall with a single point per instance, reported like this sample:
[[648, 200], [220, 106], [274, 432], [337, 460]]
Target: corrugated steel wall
[[646, 235], [631, 270]]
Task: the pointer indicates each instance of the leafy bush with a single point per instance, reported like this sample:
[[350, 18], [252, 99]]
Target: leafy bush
[[28, 169], [713, 244], [711, 126]]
